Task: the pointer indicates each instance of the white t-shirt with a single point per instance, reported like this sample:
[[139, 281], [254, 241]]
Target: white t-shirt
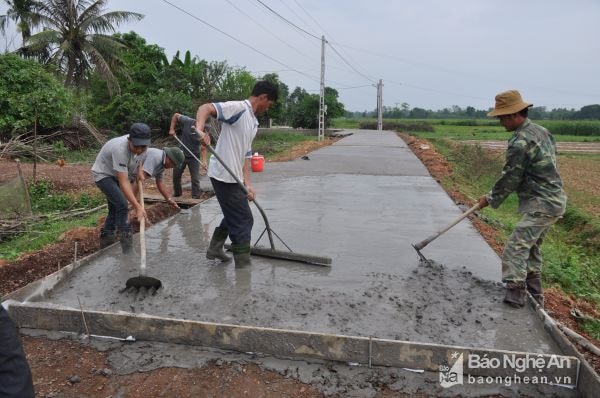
[[114, 157], [235, 142]]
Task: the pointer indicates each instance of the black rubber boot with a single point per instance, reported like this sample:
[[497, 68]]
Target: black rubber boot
[[126, 238], [515, 294], [215, 248], [107, 238], [241, 255], [534, 286]]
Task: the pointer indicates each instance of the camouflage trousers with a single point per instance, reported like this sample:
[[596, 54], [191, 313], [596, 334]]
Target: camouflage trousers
[[522, 251]]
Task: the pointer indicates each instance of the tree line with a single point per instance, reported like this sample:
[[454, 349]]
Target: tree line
[[72, 66], [404, 111]]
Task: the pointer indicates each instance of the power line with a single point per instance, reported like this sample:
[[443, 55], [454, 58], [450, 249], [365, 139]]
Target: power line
[[287, 20], [310, 16], [350, 65], [266, 30], [239, 41], [460, 73]]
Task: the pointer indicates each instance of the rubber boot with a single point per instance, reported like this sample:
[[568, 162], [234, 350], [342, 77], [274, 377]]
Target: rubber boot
[[241, 255], [215, 248], [107, 238], [515, 294], [126, 238], [534, 286]]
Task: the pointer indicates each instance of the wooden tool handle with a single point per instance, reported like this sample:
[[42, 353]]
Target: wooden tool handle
[[142, 232], [433, 237]]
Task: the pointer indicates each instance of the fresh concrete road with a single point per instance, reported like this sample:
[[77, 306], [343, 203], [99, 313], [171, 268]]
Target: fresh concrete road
[[361, 201]]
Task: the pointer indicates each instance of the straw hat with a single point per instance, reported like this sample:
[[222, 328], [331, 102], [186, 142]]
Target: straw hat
[[508, 102]]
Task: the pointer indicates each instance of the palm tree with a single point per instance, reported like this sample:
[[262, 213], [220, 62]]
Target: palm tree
[[75, 40], [22, 13]]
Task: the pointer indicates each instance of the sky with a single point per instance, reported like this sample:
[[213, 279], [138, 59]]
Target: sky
[[431, 54]]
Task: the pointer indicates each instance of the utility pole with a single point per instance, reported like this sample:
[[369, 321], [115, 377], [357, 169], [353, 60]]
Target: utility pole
[[380, 105], [322, 108]]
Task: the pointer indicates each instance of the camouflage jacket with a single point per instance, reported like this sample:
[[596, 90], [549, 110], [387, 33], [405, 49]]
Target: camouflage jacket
[[531, 171]]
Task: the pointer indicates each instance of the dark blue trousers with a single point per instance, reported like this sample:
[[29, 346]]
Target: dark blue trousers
[[118, 211], [237, 216], [15, 375]]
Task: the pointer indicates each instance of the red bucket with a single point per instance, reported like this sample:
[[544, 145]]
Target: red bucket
[[257, 162]]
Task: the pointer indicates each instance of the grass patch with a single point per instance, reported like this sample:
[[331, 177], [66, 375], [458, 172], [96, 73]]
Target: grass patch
[[46, 200], [571, 249], [43, 233], [479, 129], [592, 327], [273, 144]]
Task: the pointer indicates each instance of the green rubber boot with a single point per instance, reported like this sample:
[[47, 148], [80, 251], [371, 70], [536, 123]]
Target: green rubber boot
[[241, 255], [107, 238], [126, 238], [215, 247]]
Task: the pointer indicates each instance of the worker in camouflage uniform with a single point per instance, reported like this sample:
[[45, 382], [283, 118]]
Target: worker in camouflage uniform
[[531, 172]]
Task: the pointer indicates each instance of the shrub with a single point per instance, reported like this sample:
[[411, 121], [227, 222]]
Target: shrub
[[27, 91]]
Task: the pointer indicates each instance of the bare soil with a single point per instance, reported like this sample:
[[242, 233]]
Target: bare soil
[[557, 303], [303, 148]]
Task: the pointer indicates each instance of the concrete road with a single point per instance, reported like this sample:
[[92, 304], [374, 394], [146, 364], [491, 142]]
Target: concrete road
[[362, 202]]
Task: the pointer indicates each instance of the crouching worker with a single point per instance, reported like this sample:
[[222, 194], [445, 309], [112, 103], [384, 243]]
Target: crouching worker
[[117, 159], [234, 147], [154, 163]]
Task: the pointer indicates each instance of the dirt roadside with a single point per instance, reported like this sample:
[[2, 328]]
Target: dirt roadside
[[557, 303]]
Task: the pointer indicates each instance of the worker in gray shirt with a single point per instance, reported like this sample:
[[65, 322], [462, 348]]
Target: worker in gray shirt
[[190, 138], [116, 160], [154, 162]]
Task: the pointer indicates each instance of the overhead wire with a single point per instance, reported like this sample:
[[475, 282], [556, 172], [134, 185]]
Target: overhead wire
[[456, 72], [266, 30], [287, 20], [316, 37], [239, 41]]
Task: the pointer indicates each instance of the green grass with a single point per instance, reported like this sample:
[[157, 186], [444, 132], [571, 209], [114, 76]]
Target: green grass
[[571, 249], [592, 327], [275, 143], [485, 129], [484, 133], [42, 234], [45, 200]]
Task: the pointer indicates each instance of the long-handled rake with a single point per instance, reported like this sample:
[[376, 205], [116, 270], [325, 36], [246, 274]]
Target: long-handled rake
[[265, 251], [419, 246]]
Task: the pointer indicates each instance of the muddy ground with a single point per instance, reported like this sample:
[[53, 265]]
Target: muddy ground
[[66, 368]]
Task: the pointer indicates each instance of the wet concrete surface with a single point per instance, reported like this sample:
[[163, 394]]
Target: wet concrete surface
[[361, 201]]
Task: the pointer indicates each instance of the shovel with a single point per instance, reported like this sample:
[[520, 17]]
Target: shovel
[[419, 246], [143, 281]]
